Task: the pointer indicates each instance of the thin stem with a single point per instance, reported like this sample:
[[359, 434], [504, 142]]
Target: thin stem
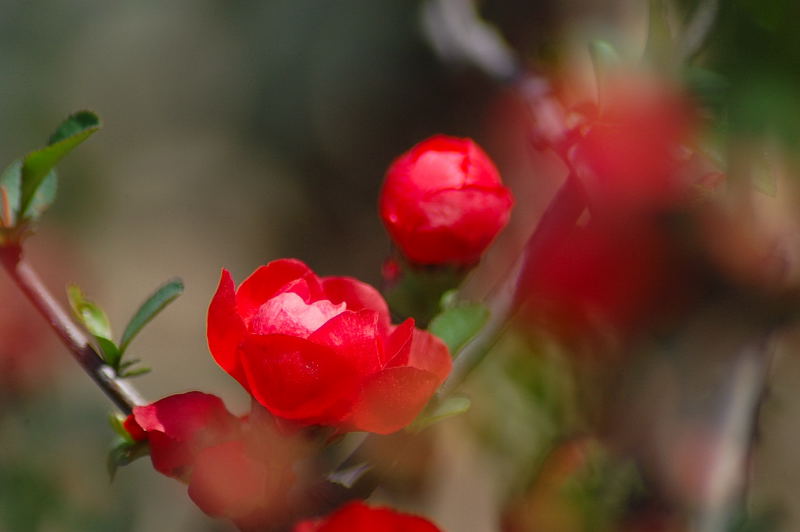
[[726, 482], [121, 393]]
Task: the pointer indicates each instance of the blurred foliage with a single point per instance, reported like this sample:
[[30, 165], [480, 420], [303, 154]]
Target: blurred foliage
[[42, 485]]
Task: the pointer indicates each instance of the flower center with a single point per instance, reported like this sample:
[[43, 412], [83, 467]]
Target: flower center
[[288, 314]]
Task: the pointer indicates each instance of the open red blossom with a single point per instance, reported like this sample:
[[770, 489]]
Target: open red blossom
[[358, 517], [179, 427], [443, 201], [322, 351]]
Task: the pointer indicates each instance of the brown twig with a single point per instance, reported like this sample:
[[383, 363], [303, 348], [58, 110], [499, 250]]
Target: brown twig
[[121, 393]]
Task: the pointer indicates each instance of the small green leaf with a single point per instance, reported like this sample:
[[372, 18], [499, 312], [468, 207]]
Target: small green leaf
[[90, 314], [449, 299], [455, 326], [125, 453], [10, 181], [44, 196], [154, 304], [128, 363], [96, 322], [111, 353], [452, 406], [75, 124], [135, 373], [116, 421], [38, 165]]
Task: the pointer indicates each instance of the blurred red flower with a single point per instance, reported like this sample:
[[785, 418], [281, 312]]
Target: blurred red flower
[[629, 151], [627, 265], [443, 201], [236, 468], [322, 351], [358, 517], [607, 274]]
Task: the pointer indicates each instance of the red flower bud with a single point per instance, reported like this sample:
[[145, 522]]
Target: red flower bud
[[180, 426], [443, 201], [322, 351], [358, 517]]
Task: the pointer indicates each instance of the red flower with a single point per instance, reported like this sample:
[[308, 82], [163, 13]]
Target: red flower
[[443, 201], [247, 480], [238, 469], [630, 276], [322, 351], [180, 426], [630, 154], [358, 517]]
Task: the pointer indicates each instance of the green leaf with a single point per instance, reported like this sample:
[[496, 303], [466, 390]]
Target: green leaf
[[418, 292], [128, 363], [111, 353], [135, 373], [75, 124], [154, 304], [125, 453], [10, 181], [455, 326], [452, 406], [38, 165], [44, 197], [116, 421], [96, 322]]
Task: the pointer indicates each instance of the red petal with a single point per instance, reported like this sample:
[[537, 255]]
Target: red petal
[[398, 345], [228, 482], [287, 313], [136, 432], [170, 457], [179, 425], [358, 517], [356, 295], [185, 416], [354, 336], [392, 398], [429, 353], [225, 329], [298, 379], [269, 280]]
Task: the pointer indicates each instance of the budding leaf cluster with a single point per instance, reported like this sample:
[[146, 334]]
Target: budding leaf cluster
[[28, 185], [96, 322]]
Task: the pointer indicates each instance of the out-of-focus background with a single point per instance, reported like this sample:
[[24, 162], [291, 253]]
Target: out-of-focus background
[[240, 132]]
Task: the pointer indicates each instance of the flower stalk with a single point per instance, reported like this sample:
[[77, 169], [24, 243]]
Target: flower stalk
[[122, 394]]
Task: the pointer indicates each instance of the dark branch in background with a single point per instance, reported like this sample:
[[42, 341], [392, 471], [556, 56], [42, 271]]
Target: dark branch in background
[[121, 393], [697, 29], [725, 486]]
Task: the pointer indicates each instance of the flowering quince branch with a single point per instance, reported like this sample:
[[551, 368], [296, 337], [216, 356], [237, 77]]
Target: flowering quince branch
[[27, 188], [122, 393], [320, 356]]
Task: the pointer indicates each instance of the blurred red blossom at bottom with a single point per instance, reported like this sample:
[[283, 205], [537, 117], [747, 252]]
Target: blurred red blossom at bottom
[[358, 517], [236, 468]]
